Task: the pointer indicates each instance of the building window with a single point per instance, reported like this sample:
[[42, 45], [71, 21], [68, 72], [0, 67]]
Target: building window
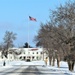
[[37, 52], [2, 57], [33, 58], [21, 57], [37, 57], [29, 57], [24, 57]]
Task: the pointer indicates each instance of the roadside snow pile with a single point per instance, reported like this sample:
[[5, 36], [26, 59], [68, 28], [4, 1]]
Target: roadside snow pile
[[63, 69]]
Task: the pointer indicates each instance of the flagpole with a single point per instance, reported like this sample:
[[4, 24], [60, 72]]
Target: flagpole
[[28, 36], [31, 19]]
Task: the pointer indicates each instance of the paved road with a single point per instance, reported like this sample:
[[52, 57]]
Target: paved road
[[29, 70]]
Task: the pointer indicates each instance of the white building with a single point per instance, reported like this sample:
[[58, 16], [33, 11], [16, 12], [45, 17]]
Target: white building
[[31, 54]]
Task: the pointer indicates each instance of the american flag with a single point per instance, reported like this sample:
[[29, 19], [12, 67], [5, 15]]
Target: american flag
[[32, 19]]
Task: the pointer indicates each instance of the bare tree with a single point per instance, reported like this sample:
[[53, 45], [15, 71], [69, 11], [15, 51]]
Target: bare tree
[[15, 52], [9, 37], [65, 16], [45, 40], [59, 34]]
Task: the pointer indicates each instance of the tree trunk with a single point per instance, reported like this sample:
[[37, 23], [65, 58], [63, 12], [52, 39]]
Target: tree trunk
[[71, 65], [53, 63], [58, 62], [50, 60]]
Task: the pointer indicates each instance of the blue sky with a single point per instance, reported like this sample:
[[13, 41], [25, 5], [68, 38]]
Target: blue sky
[[14, 16]]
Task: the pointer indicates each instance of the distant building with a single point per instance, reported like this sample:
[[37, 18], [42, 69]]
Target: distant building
[[31, 54]]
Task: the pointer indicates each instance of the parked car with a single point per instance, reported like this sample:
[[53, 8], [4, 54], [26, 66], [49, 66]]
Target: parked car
[[28, 60]]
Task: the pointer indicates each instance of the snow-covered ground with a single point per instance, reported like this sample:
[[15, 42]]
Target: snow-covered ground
[[63, 66]]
